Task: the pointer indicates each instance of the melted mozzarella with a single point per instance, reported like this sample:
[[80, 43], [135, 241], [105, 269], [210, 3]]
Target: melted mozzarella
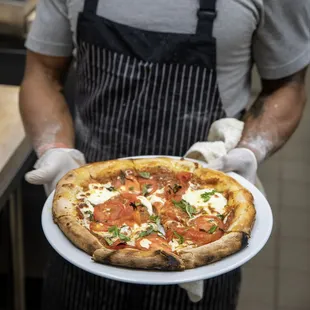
[[145, 243], [97, 193], [147, 204], [217, 202]]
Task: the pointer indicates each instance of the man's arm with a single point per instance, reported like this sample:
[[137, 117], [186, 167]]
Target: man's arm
[[275, 115], [44, 112]]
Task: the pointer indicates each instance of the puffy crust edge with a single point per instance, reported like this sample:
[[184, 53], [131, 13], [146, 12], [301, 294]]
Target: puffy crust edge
[[133, 258], [78, 234], [212, 252]]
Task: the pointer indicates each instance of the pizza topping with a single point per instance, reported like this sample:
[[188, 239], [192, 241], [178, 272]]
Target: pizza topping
[[145, 175], [207, 200], [207, 195], [145, 189], [155, 219], [145, 243], [185, 206], [145, 202], [147, 232], [221, 216], [212, 229], [175, 188], [97, 193], [116, 232], [181, 238]]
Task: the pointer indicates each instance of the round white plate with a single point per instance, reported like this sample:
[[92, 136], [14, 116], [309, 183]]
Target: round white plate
[[259, 236]]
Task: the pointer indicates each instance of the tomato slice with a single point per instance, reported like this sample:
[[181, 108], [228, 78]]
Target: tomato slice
[[184, 177], [151, 184], [206, 222], [95, 226], [156, 243]]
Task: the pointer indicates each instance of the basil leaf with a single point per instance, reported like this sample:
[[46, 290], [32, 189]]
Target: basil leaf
[[145, 175], [90, 215], [147, 232], [155, 219], [185, 206], [111, 189], [123, 237], [181, 238], [220, 216], [108, 240], [145, 188], [114, 230], [212, 229], [207, 195], [131, 188]]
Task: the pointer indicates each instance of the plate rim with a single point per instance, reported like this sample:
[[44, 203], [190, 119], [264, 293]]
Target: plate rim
[[179, 276]]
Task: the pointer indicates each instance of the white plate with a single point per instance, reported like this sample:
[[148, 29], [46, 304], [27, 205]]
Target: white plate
[[259, 236]]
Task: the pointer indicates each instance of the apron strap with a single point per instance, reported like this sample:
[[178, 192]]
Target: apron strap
[[90, 6], [206, 15]]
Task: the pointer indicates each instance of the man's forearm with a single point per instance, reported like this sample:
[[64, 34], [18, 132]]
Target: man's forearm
[[274, 116], [44, 112]]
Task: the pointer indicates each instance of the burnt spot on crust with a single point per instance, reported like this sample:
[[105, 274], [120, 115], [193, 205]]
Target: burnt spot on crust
[[172, 262], [244, 240]]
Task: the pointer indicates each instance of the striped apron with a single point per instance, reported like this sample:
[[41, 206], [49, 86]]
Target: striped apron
[[140, 93]]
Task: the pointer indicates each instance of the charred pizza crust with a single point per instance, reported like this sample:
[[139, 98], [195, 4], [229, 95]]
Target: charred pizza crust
[[234, 239]]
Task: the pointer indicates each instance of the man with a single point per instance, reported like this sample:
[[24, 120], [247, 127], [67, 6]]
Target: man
[[152, 76]]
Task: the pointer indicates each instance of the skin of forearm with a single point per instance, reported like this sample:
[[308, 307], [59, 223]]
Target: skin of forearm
[[274, 116], [44, 112]]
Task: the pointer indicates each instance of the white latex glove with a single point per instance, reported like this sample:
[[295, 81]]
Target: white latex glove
[[53, 165], [239, 160]]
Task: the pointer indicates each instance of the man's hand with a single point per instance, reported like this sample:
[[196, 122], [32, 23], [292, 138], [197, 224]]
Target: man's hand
[[274, 116], [53, 165], [239, 160]]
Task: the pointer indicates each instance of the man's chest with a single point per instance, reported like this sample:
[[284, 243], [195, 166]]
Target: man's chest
[[234, 26]]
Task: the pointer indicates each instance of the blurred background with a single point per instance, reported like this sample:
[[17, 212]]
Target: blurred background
[[276, 279]]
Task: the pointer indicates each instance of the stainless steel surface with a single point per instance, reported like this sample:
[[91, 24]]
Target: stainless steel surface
[[13, 16]]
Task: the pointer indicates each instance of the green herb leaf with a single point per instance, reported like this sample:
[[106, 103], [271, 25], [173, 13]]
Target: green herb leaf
[[91, 215], [123, 237], [185, 206], [111, 189], [212, 229], [145, 188], [176, 188], [147, 232], [220, 216], [114, 230], [145, 175], [155, 219], [207, 195], [131, 188], [181, 238]]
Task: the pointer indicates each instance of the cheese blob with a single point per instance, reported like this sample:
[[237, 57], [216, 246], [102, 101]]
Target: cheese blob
[[214, 205], [147, 204], [98, 193], [145, 243]]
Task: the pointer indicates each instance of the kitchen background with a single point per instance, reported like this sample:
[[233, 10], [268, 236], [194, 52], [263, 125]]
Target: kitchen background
[[276, 279]]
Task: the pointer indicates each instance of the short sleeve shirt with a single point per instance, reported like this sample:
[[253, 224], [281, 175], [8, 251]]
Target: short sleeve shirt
[[273, 34]]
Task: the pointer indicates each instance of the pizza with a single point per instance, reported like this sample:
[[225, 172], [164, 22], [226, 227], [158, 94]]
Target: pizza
[[153, 213]]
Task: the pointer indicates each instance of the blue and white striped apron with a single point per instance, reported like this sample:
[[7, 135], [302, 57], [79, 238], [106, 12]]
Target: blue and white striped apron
[[140, 93]]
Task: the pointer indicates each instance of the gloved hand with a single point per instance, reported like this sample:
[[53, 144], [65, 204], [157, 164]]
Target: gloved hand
[[239, 160], [53, 165]]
